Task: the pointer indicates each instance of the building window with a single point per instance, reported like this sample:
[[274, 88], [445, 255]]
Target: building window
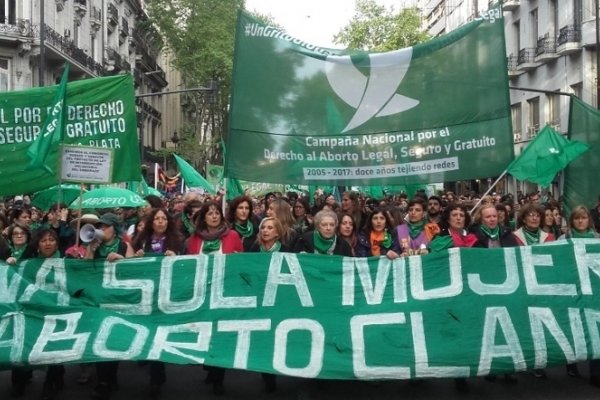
[[517, 37], [577, 89], [534, 116], [515, 111], [4, 75], [533, 23], [8, 12]]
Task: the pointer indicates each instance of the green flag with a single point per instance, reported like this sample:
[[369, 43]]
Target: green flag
[[52, 130], [547, 154], [581, 176], [438, 111], [98, 112], [192, 177]]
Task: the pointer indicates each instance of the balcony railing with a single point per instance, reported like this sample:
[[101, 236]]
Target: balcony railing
[[69, 48], [113, 14], [569, 33], [96, 18], [80, 6], [114, 58], [526, 56], [545, 45], [511, 62], [18, 27]]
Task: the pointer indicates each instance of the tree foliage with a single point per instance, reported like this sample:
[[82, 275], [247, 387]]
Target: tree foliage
[[200, 34], [377, 28]]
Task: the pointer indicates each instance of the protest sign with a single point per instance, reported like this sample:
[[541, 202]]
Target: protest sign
[[440, 315]]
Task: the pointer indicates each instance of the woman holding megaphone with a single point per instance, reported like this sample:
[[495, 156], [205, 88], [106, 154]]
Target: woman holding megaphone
[[107, 244]]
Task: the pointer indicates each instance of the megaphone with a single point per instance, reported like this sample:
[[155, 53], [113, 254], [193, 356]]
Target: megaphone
[[89, 233]]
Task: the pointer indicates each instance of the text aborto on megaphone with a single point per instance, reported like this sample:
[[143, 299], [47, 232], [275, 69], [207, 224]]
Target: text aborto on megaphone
[[89, 233]]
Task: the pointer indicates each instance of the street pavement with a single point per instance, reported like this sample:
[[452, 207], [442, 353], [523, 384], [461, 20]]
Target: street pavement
[[186, 382]]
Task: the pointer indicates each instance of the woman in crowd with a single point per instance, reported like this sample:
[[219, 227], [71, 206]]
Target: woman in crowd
[[529, 231], [21, 215], [302, 219], [378, 238], [56, 219], [18, 239], [453, 233], [581, 225], [347, 231], [241, 218], [111, 247], [158, 237], [411, 235], [488, 230], [268, 240], [323, 240], [503, 217], [213, 236], [280, 209], [44, 244], [351, 205], [548, 223]]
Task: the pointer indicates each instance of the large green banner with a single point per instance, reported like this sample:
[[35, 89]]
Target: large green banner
[[99, 112], [306, 315], [435, 112], [581, 176]]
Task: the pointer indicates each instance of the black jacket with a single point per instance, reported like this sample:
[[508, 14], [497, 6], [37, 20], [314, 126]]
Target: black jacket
[[305, 243]]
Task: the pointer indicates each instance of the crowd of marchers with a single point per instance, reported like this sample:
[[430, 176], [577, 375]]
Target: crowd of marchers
[[353, 225]]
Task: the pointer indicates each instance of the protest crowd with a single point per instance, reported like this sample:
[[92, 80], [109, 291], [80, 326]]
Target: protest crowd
[[352, 226]]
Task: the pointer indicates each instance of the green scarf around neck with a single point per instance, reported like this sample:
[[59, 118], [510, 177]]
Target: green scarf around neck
[[493, 234], [589, 234], [276, 247], [210, 246], [415, 229], [322, 245], [245, 230], [532, 237], [106, 248]]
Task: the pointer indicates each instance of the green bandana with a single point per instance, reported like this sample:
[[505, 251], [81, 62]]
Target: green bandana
[[276, 246], [17, 253], [105, 249], [210, 246], [531, 237], [493, 234], [322, 245], [387, 240], [589, 234], [440, 243], [415, 229], [245, 230]]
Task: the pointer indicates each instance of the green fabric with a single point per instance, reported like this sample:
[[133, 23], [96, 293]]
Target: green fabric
[[108, 197], [387, 240], [192, 177], [322, 245], [581, 176], [415, 229], [545, 156], [210, 246], [100, 112], [440, 243], [106, 248], [531, 237], [493, 234], [276, 247], [17, 252], [245, 230], [358, 118], [53, 129], [321, 316], [47, 198], [589, 234], [188, 225]]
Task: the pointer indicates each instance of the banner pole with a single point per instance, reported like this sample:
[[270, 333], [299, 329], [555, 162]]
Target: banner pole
[[488, 191], [79, 206]]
